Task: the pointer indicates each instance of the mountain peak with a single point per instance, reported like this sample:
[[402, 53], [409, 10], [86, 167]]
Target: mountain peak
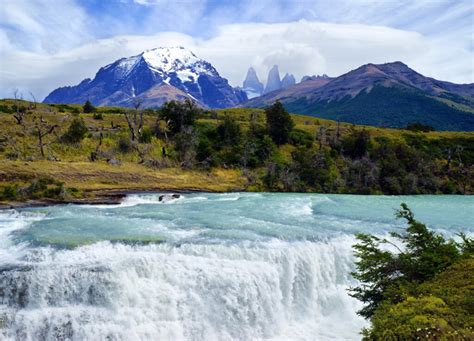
[[140, 75], [273, 81], [252, 85], [288, 80]]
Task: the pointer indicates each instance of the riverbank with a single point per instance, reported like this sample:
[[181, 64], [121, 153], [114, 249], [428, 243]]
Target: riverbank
[[102, 183]]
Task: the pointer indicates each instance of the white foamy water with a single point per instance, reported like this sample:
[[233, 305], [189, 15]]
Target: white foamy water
[[204, 267]]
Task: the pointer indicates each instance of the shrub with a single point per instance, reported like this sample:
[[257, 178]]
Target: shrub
[[146, 135], [76, 131], [417, 127], [45, 187], [98, 116], [124, 145], [10, 192], [300, 137]]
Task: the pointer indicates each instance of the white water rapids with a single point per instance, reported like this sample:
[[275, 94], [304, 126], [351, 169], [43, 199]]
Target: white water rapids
[[204, 267]]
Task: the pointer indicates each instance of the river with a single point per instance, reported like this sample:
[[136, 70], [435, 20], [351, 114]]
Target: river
[[236, 266]]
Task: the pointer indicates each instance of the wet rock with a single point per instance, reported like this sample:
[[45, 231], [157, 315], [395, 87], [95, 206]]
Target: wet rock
[[168, 197]]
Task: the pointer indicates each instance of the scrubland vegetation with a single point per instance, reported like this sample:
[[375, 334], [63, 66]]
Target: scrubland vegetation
[[181, 146]]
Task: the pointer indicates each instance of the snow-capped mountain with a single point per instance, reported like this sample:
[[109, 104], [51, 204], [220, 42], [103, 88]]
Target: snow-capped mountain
[[156, 76]]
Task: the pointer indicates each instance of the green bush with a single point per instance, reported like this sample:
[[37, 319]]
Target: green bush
[[76, 131], [146, 135], [300, 137], [98, 116], [10, 192], [124, 145], [440, 309], [45, 187]]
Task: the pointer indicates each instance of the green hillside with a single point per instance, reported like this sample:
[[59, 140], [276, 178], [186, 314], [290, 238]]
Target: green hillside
[[392, 107], [62, 152]]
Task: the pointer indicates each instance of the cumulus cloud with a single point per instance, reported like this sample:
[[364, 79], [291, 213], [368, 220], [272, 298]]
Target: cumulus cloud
[[302, 47]]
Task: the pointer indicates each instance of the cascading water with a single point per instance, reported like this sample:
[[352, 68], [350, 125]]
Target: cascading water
[[204, 267]]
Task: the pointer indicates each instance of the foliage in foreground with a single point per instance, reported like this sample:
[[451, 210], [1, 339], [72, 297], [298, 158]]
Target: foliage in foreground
[[424, 289]]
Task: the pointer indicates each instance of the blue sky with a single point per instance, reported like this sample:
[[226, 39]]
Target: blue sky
[[49, 43]]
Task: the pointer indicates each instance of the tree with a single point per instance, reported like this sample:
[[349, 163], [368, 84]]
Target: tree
[[42, 130], [179, 115], [76, 132], [229, 131], [387, 276], [19, 112], [88, 107], [279, 123], [135, 119], [356, 144]]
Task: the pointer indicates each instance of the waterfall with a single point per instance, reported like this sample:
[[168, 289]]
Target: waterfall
[[275, 290]]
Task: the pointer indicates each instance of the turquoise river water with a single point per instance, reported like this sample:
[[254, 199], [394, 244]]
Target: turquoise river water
[[236, 266]]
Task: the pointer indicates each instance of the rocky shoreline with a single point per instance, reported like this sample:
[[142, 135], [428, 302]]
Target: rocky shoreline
[[112, 197]]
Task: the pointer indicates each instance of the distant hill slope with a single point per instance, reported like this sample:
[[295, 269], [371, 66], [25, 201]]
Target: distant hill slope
[[389, 95], [157, 75]]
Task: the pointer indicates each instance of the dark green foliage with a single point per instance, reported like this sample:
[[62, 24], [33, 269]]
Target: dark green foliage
[[387, 276], [279, 123], [9, 192], [6, 109], [45, 187], [146, 135], [300, 137], [98, 116], [439, 309], [313, 169], [229, 131], [124, 145], [76, 131], [394, 107], [88, 107], [39, 188], [417, 127], [356, 144], [179, 115]]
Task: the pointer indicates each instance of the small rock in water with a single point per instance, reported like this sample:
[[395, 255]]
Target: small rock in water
[[166, 197]]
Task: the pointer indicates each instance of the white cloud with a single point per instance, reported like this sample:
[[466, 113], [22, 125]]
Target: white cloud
[[41, 26], [301, 48]]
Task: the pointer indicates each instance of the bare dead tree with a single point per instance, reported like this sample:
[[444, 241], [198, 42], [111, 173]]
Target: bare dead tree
[[95, 153], [19, 113], [42, 130], [321, 136], [135, 120], [34, 100]]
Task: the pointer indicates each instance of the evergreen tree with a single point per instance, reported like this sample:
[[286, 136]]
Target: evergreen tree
[[279, 123], [88, 107]]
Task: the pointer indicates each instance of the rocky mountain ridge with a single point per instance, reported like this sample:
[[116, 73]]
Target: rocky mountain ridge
[[156, 76]]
